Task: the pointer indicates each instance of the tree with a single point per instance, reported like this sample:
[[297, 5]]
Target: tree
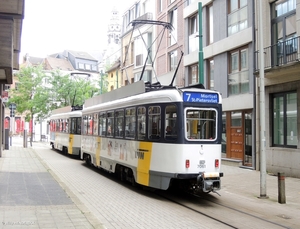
[[25, 95], [38, 93]]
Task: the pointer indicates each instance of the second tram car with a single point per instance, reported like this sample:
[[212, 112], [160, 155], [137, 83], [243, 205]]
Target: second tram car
[[157, 138], [65, 130]]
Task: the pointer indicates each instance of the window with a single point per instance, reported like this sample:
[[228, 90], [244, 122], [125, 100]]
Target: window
[[154, 125], [80, 65], [142, 43], [102, 124], [238, 16], [173, 60], [110, 124], [147, 76], [130, 121], [193, 33], [210, 20], [132, 53], [201, 124], [210, 74], [193, 74], [87, 67], [95, 122], [189, 2], [94, 67], [284, 114], [173, 20], [238, 79], [90, 124], [119, 123], [171, 122], [141, 128], [284, 36], [85, 124], [160, 5]]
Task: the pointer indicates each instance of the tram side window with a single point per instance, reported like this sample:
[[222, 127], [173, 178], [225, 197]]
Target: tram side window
[[201, 124], [130, 122], [170, 122], [78, 126], [57, 125], [141, 128], [73, 126], [110, 124], [102, 124], [90, 124], [154, 126], [85, 124], [119, 124], [61, 122], [95, 124], [66, 127]]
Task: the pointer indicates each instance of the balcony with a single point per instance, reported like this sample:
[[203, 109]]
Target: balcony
[[279, 54]]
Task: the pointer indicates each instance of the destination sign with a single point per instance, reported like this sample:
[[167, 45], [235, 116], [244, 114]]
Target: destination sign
[[200, 97]]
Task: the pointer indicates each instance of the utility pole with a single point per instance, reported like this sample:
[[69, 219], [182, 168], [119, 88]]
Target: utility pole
[[263, 192], [200, 61]]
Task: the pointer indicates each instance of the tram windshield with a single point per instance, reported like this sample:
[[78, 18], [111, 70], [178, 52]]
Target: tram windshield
[[201, 124]]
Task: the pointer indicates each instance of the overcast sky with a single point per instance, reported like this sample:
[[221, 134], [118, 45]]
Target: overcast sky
[[51, 26]]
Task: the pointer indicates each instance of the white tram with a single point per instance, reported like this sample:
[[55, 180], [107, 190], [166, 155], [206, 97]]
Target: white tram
[[65, 130], [157, 138]]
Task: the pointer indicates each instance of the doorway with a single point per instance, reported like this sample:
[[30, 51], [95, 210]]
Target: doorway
[[239, 136]]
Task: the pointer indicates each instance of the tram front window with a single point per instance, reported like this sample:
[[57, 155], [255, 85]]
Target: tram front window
[[200, 124]]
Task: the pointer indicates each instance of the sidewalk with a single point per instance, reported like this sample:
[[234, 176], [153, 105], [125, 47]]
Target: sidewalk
[[31, 195], [31, 198]]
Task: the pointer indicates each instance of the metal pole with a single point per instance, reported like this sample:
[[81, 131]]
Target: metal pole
[[263, 192], [200, 61]]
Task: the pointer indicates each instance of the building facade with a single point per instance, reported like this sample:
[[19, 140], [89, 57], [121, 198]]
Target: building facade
[[281, 26], [137, 43], [228, 32], [228, 47], [171, 48]]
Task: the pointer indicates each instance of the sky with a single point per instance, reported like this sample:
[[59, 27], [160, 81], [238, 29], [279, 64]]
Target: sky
[[52, 26]]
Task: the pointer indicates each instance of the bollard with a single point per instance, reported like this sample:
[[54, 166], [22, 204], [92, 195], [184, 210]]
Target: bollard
[[25, 139], [6, 140], [281, 188]]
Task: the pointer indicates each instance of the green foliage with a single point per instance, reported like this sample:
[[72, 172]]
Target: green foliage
[[38, 93]]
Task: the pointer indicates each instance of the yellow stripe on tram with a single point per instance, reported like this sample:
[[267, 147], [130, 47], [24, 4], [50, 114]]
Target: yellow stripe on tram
[[71, 142], [98, 147], [144, 158]]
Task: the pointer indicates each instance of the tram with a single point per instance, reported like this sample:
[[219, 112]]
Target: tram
[[65, 130], [158, 136]]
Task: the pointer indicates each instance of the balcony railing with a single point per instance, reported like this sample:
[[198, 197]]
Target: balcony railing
[[279, 54]]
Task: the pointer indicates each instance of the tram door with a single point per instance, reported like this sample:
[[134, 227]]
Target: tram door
[[236, 142]]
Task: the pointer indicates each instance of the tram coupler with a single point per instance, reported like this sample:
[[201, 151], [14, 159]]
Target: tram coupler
[[208, 185]]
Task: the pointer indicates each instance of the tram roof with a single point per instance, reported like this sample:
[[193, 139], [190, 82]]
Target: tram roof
[[139, 94], [70, 114]]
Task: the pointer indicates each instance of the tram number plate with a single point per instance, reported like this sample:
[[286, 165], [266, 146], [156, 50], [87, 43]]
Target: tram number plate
[[202, 164]]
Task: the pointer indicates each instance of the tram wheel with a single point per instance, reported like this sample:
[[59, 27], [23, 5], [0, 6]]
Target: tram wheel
[[87, 159]]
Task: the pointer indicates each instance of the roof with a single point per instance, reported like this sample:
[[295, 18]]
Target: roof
[[81, 55], [115, 66], [56, 63]]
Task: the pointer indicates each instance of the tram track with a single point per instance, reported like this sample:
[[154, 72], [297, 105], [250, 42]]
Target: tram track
[[220, 211]]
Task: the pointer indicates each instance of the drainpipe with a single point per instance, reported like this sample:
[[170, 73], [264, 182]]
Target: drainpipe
[[254, 91]]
